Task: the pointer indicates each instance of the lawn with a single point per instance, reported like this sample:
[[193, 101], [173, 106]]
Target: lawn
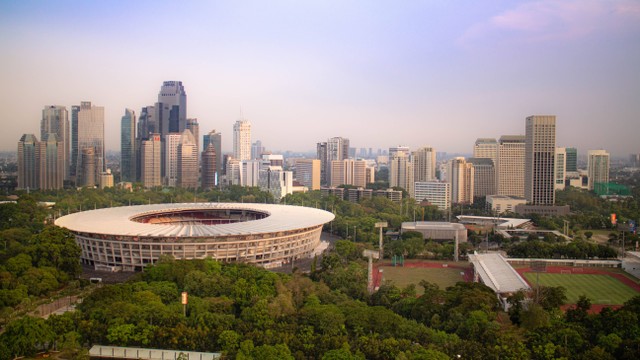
[[601, 289], [403, 276]]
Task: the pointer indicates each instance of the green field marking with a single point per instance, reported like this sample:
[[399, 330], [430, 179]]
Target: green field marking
[[601, 289], [404, 276]]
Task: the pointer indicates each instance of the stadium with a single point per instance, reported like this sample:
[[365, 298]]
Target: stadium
[[130, 237]]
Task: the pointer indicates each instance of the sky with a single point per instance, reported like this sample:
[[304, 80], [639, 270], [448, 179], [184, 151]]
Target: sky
[[381, 73]]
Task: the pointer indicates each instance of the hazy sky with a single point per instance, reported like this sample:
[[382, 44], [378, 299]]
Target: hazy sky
[[382, 73]]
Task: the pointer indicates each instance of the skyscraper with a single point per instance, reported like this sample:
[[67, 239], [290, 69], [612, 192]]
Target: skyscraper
[[209, 162], [572, 159], [484, 177], [460, 175], [128, 146], [401, 172], [349, 172], [28, 162], [87, 174], [194, 127], [50, 158], [424, 164], [510, 174], [308, 173], [336, 148], [87, 123], [540, 150], [486, 148], [171, 143], [597, 167], [257, 149], [55, 119], [560, 168], [187, 161], [214, 138], [150, 153], [242, 140], [171, 108]]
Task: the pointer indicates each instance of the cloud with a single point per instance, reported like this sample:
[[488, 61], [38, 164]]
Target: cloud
[[559, 19]]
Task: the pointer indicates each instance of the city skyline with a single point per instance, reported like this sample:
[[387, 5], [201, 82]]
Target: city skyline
[[438, 74]]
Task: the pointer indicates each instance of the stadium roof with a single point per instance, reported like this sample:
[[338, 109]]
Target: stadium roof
[[497, 273], [502, 222], [117, 220]]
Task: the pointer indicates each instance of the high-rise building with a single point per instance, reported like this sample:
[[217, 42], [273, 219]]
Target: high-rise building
[[208, 161], [437, 193], [460, 174], [336, 148], [634, 160], [484, 180], [87, 170], [50, 158], [257, 150], [572, 159], [128, 146], [276, 181], [308, 173], [242, 140], [401, 172], [194, 127], [486, 148], [87, 129], [28, 162], [150, 153], [215, 138], [55, 119], [106, 179], [171, 108], [597, 167], [424, 164], [147, 123], [321, 154], [171, 143], [560, 168], [187, 161], [510, 174], [349, 172], [540, 150]]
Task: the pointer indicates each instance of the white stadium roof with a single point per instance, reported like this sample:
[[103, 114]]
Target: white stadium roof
[[496, 273], [117, 220]]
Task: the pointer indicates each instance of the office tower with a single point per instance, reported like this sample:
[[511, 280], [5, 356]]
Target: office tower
[[209, 161], [349, 172], [597, 167], [370, 174], [510, 172], [484, 177], [486, 148], [233, 171], [87, 169], [460, 174], [187, 164], [424, 164], [194, 127], [276, 181], [151, 155], [273, 159], [560, 168], [215, 138], [128, 146], [55, 119], [147, 123], [308, 173], [634, 160], [242, 140], [171, 108], [87, 130], [257, 150], [171, 142], [28, 162], [401, 172], [437, 193], [50, 159], [572, 159], [250, 171], [321, 151], [106, 179], [540, 150], [399, 149]]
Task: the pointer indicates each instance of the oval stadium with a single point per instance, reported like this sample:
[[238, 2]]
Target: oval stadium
[[130, 237]]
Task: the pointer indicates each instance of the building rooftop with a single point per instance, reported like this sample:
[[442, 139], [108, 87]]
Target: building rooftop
[[496, 273], [503, 223]]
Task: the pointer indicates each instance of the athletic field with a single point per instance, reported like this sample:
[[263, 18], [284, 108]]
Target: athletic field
[[600, 288], [404, 276]]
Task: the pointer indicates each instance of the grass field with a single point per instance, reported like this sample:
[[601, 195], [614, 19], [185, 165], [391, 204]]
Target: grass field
[[403, 276], [601, 289]]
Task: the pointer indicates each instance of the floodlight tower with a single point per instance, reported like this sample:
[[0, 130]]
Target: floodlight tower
[[370, 254], [381, 225]]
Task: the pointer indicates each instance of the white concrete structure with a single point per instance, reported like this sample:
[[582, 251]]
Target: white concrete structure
[[150, 155], [171, 143], [437, 193], [486, 148], [349, 172], [500, 223], [436, 230], [187, 164], [424, 164], [510, 173], [500, 204], [460, 174], [597, 167], [493, 270], [130, 237], [401, 172]]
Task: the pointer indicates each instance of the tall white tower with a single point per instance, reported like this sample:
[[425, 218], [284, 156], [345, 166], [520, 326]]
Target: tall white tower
[[242, 140]]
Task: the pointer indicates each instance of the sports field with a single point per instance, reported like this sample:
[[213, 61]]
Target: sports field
[[601, 289], [403, 276]]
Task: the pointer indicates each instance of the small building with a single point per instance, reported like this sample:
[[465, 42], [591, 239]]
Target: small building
[[436, 230], [544, 210], [499, 204], [118, 352]]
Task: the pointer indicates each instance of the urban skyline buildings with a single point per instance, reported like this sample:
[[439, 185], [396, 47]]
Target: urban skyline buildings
[[128, 146], [540, 149], [87, 128], [511, 160], [55, 119], [597, 167], [242, 140], [460, 174]]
